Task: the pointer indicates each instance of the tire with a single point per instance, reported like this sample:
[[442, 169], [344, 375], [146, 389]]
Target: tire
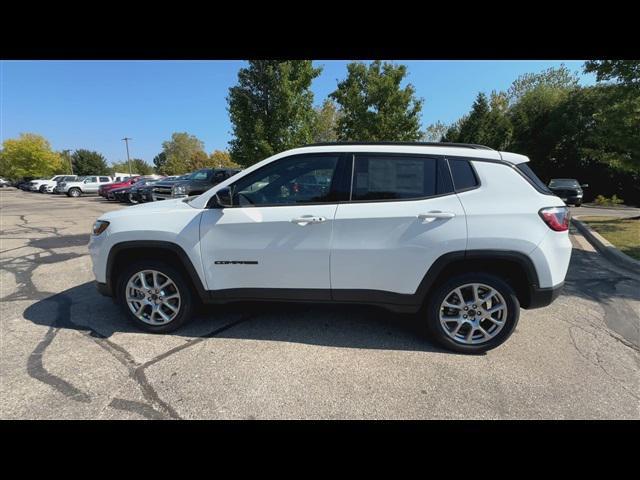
[[131, 199], [578, 204], [499, 330], [74, 192], [42, 189], [156, 324]]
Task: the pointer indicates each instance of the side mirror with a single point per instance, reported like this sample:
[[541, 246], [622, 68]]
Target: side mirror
[[585, 185], [221, 199]]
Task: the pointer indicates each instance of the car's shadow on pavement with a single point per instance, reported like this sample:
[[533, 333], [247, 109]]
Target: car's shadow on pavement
[[82, 308]]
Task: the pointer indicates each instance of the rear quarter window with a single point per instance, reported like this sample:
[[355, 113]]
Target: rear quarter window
[[533, 179], [464, 178]]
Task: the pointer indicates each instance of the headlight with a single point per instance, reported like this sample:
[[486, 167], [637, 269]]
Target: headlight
[[99, 227], [179, 190]]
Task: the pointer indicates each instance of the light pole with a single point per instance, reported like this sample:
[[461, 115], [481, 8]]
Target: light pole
[[126, 141]]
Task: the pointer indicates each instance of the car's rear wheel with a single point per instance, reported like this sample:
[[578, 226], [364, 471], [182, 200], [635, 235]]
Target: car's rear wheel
[[74, 192], [155, 296], [472, 313], [42, 188]]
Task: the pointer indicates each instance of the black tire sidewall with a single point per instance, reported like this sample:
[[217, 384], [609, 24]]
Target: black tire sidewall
[[432, 307], [184, 288]]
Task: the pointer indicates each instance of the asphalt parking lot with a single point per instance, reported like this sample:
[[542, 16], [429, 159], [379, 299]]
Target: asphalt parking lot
[[67, 352]]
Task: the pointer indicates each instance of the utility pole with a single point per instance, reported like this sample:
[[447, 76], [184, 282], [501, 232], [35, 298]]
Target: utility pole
[[126, 141]]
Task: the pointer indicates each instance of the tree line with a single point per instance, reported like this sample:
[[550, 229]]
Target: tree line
[[590, 133]]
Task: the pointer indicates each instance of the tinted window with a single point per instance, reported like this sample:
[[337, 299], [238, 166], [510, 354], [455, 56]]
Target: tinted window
[[463, 175], [533, 178], [398, 177], [201, 175], [290, 181], [104, 179]]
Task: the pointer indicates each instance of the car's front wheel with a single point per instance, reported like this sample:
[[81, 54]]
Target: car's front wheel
[[131, 198], [472, 313], [155, 295], [42, 188], [74, 192]]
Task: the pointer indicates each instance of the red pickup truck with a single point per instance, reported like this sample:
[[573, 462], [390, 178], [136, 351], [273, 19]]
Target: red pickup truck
[[104, 190]]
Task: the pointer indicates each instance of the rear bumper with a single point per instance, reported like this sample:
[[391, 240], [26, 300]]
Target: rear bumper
[[542, 297]]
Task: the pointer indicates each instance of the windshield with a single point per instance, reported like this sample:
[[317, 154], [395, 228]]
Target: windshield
[[563, 182]]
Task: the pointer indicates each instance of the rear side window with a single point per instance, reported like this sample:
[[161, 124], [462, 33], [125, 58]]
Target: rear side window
[[530, 175], [398, 177], [104, 179], [463, 175]]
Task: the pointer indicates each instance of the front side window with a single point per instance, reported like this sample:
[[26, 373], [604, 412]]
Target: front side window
[[201, 175], [90, 180], [300, 179], [398, 177]]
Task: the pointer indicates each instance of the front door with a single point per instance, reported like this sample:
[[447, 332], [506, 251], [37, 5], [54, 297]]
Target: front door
[[276, 236]]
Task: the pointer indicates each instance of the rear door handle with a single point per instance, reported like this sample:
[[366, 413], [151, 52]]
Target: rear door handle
[[307, 219], [436, 214]]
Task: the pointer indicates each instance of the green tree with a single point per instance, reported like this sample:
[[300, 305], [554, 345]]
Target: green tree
[[89, 162], [182, 152], [327, 117], [373, 105], [138, 166], [271, 108], [625, 72], [29, 155], [555, 78], [435, 132], [222, 159], [159, 162]]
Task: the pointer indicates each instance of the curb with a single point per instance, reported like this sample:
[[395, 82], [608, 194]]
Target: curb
[[606, 248], [622, 209]]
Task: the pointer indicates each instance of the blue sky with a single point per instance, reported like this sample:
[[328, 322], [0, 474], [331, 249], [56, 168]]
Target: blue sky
[[94, 104]]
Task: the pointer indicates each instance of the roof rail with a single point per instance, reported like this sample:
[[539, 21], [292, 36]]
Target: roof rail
[[418, 144]]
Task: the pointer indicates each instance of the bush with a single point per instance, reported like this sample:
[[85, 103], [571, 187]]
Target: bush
[[610, 202]]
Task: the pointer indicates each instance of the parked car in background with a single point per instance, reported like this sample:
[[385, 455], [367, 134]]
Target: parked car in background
[[144, 193], [568, 189], [41, 185], [463, 236], [24, 184], [129, 194], [86, 185], [200, 181], [104, 190], [4, 183], [162, 189], [138, 191]]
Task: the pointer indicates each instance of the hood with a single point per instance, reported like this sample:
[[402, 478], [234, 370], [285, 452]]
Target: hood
[[145, 209]]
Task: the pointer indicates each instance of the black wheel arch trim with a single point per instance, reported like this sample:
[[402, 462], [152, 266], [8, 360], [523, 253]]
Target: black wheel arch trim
[[157, 244], [396, 301]]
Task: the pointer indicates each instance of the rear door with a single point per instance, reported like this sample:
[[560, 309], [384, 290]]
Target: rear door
[[403, 215], [90, 185]]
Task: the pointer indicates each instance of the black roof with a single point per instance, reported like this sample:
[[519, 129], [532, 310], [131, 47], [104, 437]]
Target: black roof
[[417, 144]]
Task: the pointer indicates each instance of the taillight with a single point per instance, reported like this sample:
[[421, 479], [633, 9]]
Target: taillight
[[556, 218]]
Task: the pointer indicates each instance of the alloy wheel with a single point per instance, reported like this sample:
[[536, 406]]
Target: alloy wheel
[[473, 313], [153, 297]]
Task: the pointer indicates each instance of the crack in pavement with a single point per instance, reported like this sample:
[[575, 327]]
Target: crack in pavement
[[155, 408]]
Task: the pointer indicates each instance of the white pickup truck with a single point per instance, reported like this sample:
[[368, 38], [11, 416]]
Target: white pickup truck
[[84, 185], [41, 185]]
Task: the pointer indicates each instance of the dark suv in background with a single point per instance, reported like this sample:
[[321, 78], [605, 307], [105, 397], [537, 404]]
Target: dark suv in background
[[568, 189], [198, 182]]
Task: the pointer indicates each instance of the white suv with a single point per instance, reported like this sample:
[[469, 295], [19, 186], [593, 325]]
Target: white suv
[[460, 234]]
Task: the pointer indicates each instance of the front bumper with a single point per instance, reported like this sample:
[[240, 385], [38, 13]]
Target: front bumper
[[542, 297]]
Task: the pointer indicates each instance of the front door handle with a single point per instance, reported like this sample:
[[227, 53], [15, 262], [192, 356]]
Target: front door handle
[[307, 219], [436, 214]]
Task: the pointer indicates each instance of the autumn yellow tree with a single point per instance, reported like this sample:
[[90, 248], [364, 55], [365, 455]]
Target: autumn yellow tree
[[29, 155]]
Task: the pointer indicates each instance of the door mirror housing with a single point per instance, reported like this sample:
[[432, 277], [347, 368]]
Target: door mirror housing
[[221, 199]]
